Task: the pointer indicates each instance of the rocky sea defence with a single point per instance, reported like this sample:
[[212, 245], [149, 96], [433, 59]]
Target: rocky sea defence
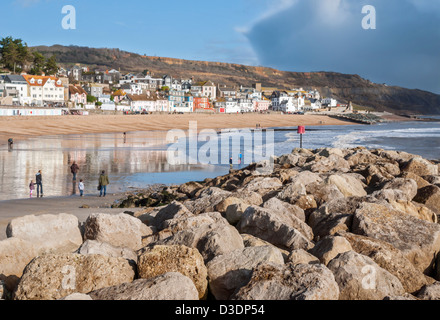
[[325, 224]]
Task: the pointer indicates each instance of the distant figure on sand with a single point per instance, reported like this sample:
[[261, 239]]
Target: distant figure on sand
[[103, 183], [10, 144], [31, 188], [231, 164], [81, 188], [74, 168], [39, 183], [125, 137]]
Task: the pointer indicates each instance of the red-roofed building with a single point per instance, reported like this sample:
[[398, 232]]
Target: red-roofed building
[[43, 90]]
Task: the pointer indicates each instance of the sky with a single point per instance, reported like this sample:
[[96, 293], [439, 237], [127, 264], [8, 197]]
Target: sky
[[291, 35]]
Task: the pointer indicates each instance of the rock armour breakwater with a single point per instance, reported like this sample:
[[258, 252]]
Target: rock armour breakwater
[[306, 228]]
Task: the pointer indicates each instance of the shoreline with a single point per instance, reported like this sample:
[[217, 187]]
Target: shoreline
[[20, 128]]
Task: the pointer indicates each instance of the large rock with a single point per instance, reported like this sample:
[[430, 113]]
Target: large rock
[[301, 256], [233, 270], [407, 186], [48, 233], [207, 200], [292, 215], [174, 210], [167, 287], [388, 258], [362, 157], [330, 247], [334, 216], [263, 185], [210, 239], [421, 183], [360, 278], [190, 188], [157, 260], [235, 212], [430, 197], [420, 167], [323, 192], [252, 241], [229, 201], [95, 247], [268, 225], [348, 185], [288, 282], [15, 255], [287, 208], [297, 187], [416, 210], [430, 292], [51, 277], [418, 240], [333, 162], [119, 230]]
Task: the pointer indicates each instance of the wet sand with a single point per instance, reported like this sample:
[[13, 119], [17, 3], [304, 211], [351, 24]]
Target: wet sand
[[12, 209], [24, 127]]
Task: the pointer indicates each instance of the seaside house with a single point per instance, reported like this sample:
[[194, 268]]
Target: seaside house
[[94, 89], [16, 87], [142, 102], [44, 90], [261, 105], [227, 105], [329, 102], [180, 101], [132, 88], [75, 73], [245, 105], [282, 101], [226, 92], [204, 89], [202, 104], [119, 95], [77, 95], [167, 81]]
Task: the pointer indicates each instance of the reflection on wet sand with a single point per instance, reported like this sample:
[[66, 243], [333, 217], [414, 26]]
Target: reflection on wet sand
[[135, 154]]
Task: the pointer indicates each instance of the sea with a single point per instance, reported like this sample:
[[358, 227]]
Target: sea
[[142, 159]]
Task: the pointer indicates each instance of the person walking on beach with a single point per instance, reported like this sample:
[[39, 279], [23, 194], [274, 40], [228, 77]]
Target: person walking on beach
[[81, 188], [31, 188], [231, 164], [103, 183], [39, 183], [74, 168], [10, 144]]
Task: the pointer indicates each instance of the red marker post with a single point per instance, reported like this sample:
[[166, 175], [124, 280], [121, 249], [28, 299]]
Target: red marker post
[[301, 131]]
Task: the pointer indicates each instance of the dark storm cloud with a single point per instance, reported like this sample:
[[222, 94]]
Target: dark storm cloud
[[327, 35]]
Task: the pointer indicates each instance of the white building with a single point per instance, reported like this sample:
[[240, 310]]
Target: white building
[[329, 102], [44, 91]]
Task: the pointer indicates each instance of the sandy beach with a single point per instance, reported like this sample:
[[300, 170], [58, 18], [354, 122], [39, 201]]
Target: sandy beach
[[24, 127], [12, 209]]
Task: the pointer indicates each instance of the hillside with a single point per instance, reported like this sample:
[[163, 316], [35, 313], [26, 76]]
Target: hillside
[[343, 87]]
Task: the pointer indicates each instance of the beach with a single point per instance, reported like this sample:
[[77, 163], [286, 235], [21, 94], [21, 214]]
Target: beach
[[79, 207], [25, 127]]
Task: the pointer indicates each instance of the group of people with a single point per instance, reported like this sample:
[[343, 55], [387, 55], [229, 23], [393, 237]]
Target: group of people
[[74, 169]]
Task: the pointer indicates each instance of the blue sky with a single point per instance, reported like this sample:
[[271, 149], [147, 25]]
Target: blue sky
[[292, 35]]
